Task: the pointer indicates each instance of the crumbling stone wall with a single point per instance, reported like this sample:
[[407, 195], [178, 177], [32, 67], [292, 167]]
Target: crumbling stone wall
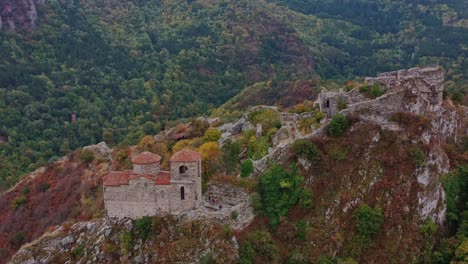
[[225, 203], [424, 83], [418, 90]]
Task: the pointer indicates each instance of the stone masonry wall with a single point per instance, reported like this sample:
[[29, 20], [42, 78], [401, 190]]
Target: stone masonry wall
[[142, 197]]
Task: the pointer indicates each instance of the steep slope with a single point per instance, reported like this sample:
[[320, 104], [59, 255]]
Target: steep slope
[[389, 163], [67, 190], [152, 240], [125, 68], [117, 70], [19, 14], [405, 32]]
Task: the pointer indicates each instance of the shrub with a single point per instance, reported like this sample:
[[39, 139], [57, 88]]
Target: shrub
[[143, 227], [78, 251], [461, 253], [306, 199], [246, 253], [455, 186], [43, 186], [182, 144], [429, 228], [337, 126], [418, 156], [146, 143], [297, 258], [211, 134], [86, 156], [319, 115], [301, 228], [17, 239], [246, 168], [305, 124], [268, 118], [26, 190], [207, 259], [304, 148], [227, 231], [197, 128], [457, 97], [257, 203], [338, 153], [373, 91], [259, 246], [279, 190], [18, 202], [341, 103], [126, 242], [257, 147], [234, 215], [368, 221]]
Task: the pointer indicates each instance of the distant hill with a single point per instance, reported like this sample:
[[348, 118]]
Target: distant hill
[[127, 68]]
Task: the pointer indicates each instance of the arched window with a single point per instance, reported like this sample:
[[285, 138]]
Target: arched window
[[183, 170], [182, 193], [328, 103]]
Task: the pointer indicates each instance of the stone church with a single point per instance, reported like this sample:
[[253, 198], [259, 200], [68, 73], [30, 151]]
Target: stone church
[[147, 190]]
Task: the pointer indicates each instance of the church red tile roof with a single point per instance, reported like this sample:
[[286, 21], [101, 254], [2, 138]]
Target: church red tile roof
[[117, 178], [146, 158], [186, 155]]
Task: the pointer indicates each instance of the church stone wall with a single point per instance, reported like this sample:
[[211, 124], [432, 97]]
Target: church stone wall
[[143, 197], [139, 198], [146, 168]]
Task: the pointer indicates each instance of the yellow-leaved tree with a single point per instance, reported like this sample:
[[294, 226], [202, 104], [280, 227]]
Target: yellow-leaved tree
[[211, 154]]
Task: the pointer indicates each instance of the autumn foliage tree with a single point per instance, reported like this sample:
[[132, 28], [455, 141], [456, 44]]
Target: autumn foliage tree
[[211, 134], [211, 154]]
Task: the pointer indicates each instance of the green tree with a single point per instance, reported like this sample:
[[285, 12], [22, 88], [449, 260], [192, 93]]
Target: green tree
[[143, 227], [304, 148], [337, 125], [246, 168], [279, 190], [231, 153], [368, 221]]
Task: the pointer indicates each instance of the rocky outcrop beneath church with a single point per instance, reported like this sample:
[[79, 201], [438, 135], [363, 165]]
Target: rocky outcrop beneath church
[[19, 14], [168, 240]]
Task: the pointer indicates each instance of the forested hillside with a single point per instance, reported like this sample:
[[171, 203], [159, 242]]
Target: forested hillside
[[393, 33], [127, 68]]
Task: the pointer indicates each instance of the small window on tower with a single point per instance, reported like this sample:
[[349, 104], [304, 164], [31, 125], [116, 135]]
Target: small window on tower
[[183, 170], [182, 193]]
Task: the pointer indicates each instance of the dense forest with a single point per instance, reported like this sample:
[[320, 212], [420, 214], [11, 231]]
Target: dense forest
[[398, 33], [129, 68]]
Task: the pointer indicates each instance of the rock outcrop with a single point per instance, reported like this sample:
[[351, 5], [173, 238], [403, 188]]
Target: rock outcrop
[[16, 14], [111, 241]]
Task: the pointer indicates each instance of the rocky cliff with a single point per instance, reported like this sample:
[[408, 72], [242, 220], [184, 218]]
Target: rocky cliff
[[124, 241], [16, 14], [393, 155]]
